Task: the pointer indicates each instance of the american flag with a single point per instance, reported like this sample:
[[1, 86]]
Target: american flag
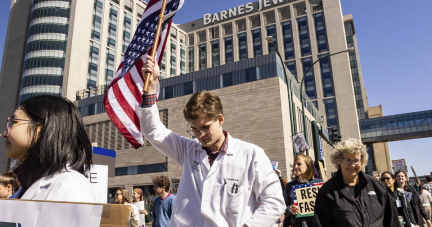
[[123, 95]]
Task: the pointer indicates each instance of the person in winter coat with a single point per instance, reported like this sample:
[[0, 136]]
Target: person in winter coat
[[399, 199], [352, 198], [304, 171], [418, 208]]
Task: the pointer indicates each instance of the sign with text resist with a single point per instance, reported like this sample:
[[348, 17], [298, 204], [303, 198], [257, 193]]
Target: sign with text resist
[[304, 198]]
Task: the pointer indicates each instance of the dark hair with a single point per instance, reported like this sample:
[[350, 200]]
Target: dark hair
[[10, 178], [204, 103], [161, 181], [310, 171], [125, 194], [429, 178], [62, 140], [389, 173]]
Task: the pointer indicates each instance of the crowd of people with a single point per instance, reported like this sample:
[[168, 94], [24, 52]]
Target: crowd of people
[[225, 181]]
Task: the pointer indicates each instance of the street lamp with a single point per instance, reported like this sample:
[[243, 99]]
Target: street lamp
[[301, 89], [289, 89]]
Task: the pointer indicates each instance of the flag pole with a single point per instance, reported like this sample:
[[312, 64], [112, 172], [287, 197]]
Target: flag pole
[[155, 44]]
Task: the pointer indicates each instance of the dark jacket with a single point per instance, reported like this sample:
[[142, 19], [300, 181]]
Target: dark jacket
[[418, 208], [336, 207], [405, 210], [288, 196]]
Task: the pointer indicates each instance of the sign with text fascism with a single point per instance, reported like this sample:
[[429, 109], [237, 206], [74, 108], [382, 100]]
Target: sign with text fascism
[[304, 198]]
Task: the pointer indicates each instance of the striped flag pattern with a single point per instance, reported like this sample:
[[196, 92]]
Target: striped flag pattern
[[124, 94]]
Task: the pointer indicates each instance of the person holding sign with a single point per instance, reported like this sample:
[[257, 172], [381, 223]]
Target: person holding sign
[[352, 198], [123, 197], [399, 199], [138, 199], [225, 181], [304, 174], [418, 208], [46, 135]]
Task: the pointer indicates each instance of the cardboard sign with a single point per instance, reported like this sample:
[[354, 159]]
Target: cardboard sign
[[175, 183], [274, 164], [300, 143], [54, 214], [304, 198], [399, 165]]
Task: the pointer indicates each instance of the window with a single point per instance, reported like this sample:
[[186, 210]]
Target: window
[[191, 59], [321, 35], [112, 26], [215, 53], [288, 41], [110, 66], [227, 79], [127, 25], [182, 59], [229, 50], [242, 46], [326, 76], [304, 36], [250, 74], [188, 88], [241, 25], [309, 80], [97, 20], [291, 65], [202, 56], [93, 65], [331, 112], [256, 37], [271, 31]]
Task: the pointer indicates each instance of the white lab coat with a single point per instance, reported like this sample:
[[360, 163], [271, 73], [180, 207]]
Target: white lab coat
[[205, 196], [66, 186]]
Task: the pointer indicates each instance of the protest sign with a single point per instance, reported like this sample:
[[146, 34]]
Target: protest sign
[[399, 165], [274, 164], [98, 177], [300, 143], [175, 183], [304, 198], [36, 213]]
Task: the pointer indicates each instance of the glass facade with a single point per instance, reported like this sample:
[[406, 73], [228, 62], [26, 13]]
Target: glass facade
[[271, 31], [304, 36], [110, 66], [331, 112], [93, 65], [288, 40], [291, 65], [127, 27], [112, 26], [309, 80], [256, 38], [182, 59], [191, 59], [242, 39], [173, 60], [355, 72], [202, 56], [229, 57], [326, 76], [215, 53], [45, 51], [141, 169], [97, 20], [320, 30]]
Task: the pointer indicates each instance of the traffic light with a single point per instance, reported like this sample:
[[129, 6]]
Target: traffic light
[[335, 135]]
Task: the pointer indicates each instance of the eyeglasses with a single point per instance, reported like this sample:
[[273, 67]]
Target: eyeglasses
[[385, 178], [10, 123], [348, 161], [204, 129]]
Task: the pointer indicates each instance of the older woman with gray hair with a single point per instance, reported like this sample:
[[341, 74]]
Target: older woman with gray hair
[[352, 198]]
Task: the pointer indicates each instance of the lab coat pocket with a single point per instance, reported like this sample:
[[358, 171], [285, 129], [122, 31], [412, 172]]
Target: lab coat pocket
[[233, 199]]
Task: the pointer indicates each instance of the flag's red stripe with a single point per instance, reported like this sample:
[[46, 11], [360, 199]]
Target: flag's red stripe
[[133, 88], [119, 124], [125, 105], [164, 43], [151, 3], [139, 65]]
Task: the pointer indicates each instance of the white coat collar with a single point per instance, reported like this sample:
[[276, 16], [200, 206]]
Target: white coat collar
[[231, 143], [43, 182]]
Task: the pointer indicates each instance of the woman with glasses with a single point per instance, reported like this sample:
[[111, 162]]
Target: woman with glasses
[[304, 174], [122, 197], [352, 198], [399, 199], [417, 207], [47, 137]]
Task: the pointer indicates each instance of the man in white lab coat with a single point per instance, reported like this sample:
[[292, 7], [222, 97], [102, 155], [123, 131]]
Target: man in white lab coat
[[225, 181]]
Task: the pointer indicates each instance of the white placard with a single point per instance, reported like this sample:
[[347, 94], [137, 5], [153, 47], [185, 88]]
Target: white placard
[[300, 143], [98, 177], [48, 214]]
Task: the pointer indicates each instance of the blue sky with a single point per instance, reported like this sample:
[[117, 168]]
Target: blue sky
[[395, 48]]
